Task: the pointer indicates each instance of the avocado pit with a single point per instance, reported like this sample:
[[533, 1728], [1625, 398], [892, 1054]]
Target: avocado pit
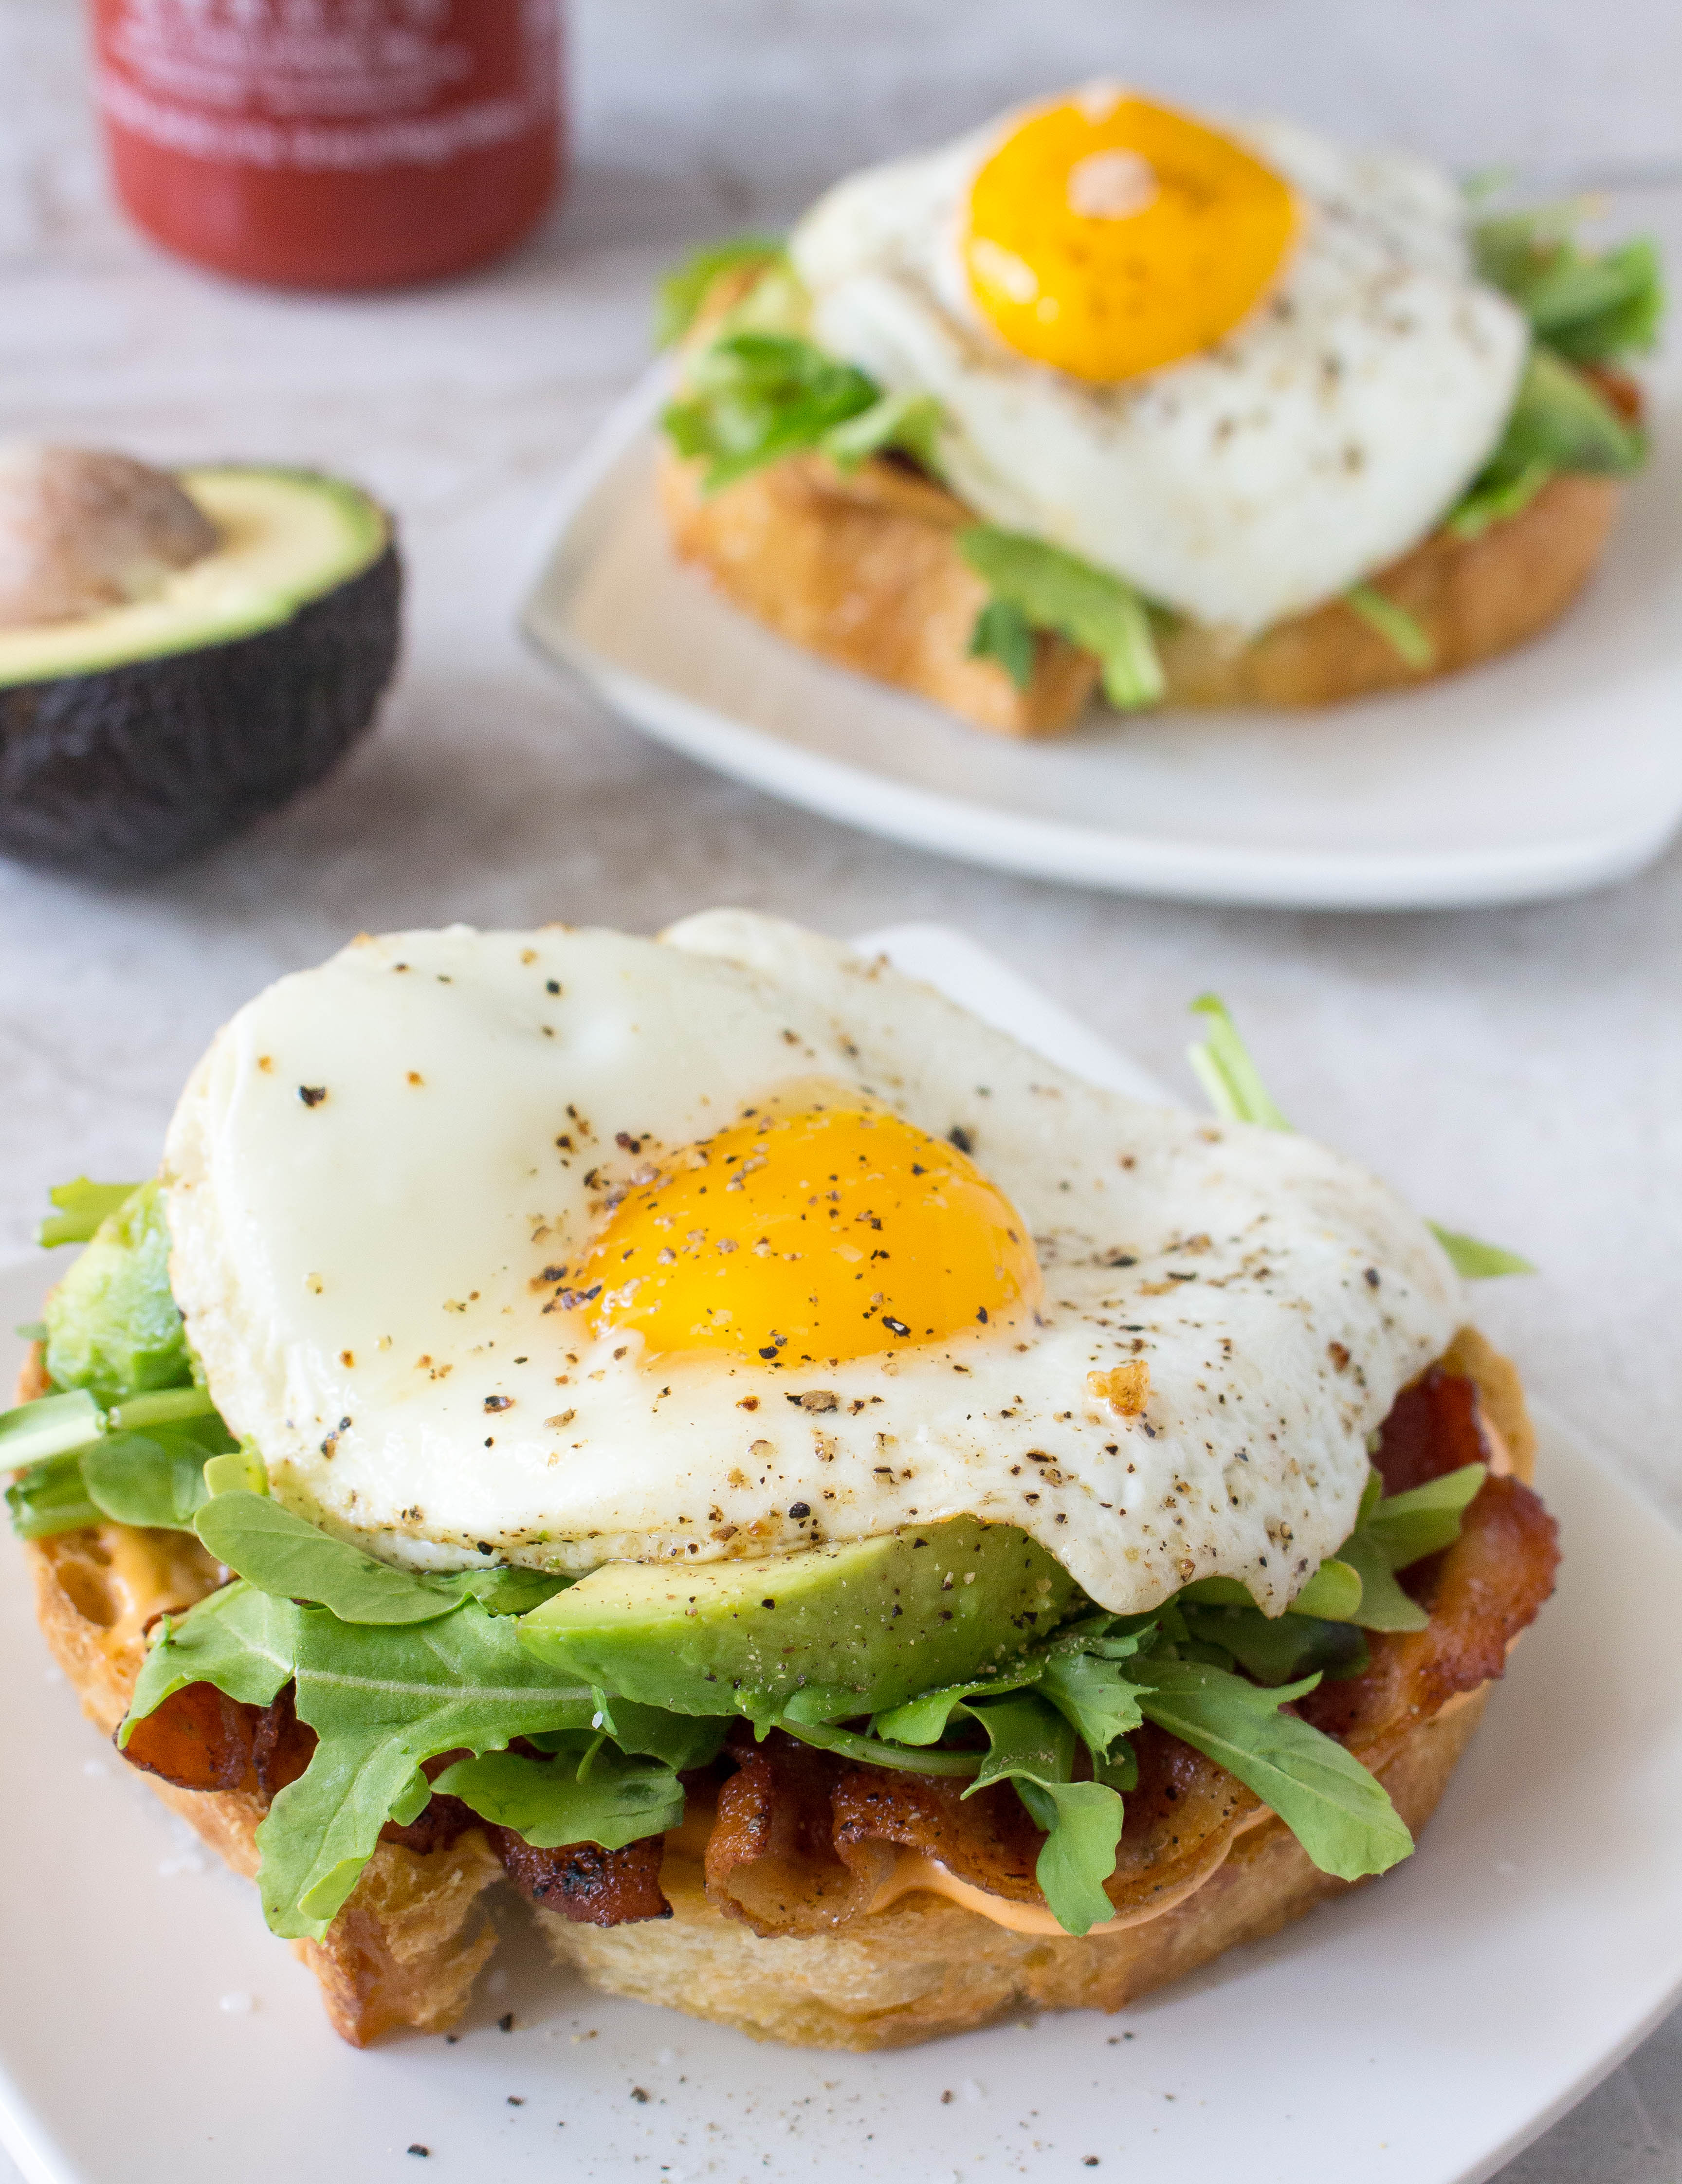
[[82, 529]]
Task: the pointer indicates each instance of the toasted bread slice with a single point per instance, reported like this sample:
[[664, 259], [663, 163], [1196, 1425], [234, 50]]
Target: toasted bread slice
[[864, 569], [408, 1945]]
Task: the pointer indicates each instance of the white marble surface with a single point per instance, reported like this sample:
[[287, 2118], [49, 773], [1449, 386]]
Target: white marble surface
[[1516, 1071]]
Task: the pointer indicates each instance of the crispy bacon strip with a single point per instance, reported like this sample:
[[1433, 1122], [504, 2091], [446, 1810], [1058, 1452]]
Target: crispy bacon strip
[[775, 1859], [200, 1739], [586, 1884], [1432, 1429]]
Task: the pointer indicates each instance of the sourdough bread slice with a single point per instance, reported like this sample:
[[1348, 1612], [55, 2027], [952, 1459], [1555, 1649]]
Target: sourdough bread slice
[[865, 569]]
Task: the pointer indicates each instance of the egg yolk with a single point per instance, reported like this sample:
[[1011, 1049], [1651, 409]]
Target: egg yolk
[[1109, 237], [808, 1237]]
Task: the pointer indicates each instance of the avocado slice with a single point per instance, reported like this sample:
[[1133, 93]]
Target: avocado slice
[[825, 1633], [111, 1325], [143, 734]]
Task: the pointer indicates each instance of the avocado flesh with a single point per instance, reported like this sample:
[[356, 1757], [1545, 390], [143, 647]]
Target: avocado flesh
[[286, 538], [116, 771], [827, 1632], [112, 1325]]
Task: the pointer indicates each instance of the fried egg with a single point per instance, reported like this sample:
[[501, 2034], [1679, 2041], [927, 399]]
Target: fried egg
[[1241, 367], [563, 1247]]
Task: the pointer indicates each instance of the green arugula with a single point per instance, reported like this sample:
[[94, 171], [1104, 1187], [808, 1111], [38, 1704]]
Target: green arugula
[[1277, 1649], [908, 422], [1593, 308], [1393, 1531], [382, 1700], [1003, 633], [1562, 421], [286, 1555], [81, 1207], [1406, 636], [48, 1497], [1031, 1745], [752, 398], [1496, 499], [1340, 1815], [1223, 1067], [683, 290], [593, 1794], [155, 1479], [1050, 589], [1477, 1261]]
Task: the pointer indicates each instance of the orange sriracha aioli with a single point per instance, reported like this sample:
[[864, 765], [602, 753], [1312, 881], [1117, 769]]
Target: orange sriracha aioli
[[332, 144]]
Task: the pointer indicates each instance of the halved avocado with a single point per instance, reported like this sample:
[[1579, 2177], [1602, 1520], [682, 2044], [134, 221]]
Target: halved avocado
[[138, 735], [829, 1631]]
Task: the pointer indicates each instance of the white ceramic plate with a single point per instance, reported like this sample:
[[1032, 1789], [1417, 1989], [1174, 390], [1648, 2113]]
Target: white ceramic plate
[[1420, 2031], [1557, 769]]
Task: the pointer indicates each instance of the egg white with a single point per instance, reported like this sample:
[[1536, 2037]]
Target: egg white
[[362, 1272], [1320, 440]]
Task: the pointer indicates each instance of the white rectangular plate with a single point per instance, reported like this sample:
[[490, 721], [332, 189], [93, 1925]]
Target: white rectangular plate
[[1420, 2030], [1556, 769]]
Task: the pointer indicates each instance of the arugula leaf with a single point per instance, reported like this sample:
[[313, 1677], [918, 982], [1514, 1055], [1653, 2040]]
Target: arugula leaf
[[1407, 1527], [1591, 306], [1277, 1649], [678, 1741], [510, 1592], [1340, 1815], [1003, 633], [1383, 1605], [112, 1325], [1406, 636], [1476, 1261], [1561, 420], [82, 1205], [683, 290], [284, 1554], [169, 1407], [1031, 1747], [1093, 609], [1226, 1071], [910, 421], [752, 398], [1484, 506], [51, 1425], [1333, 1593], [599, 1795], [155, 1479], [381, 1700], [1095, 1695], [873, 1752], [49, 1497]]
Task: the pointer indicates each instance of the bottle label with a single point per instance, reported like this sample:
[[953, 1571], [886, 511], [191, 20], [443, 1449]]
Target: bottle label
[[328, 86]]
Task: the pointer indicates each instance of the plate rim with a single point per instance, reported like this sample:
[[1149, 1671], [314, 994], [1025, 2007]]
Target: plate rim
[[947, 824]]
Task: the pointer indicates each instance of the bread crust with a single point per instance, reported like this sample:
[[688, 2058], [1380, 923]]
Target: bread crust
[[413, 1935], [864, 569], [407, 1944]]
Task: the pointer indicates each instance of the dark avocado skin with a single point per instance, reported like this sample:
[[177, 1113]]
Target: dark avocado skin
[[133, 768]]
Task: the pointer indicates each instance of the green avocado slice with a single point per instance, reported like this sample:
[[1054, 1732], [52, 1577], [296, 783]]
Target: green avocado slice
[[824, 1633], [286, 537]]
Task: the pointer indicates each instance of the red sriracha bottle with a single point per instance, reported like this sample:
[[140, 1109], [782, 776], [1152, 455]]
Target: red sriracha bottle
[[333, 143]]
